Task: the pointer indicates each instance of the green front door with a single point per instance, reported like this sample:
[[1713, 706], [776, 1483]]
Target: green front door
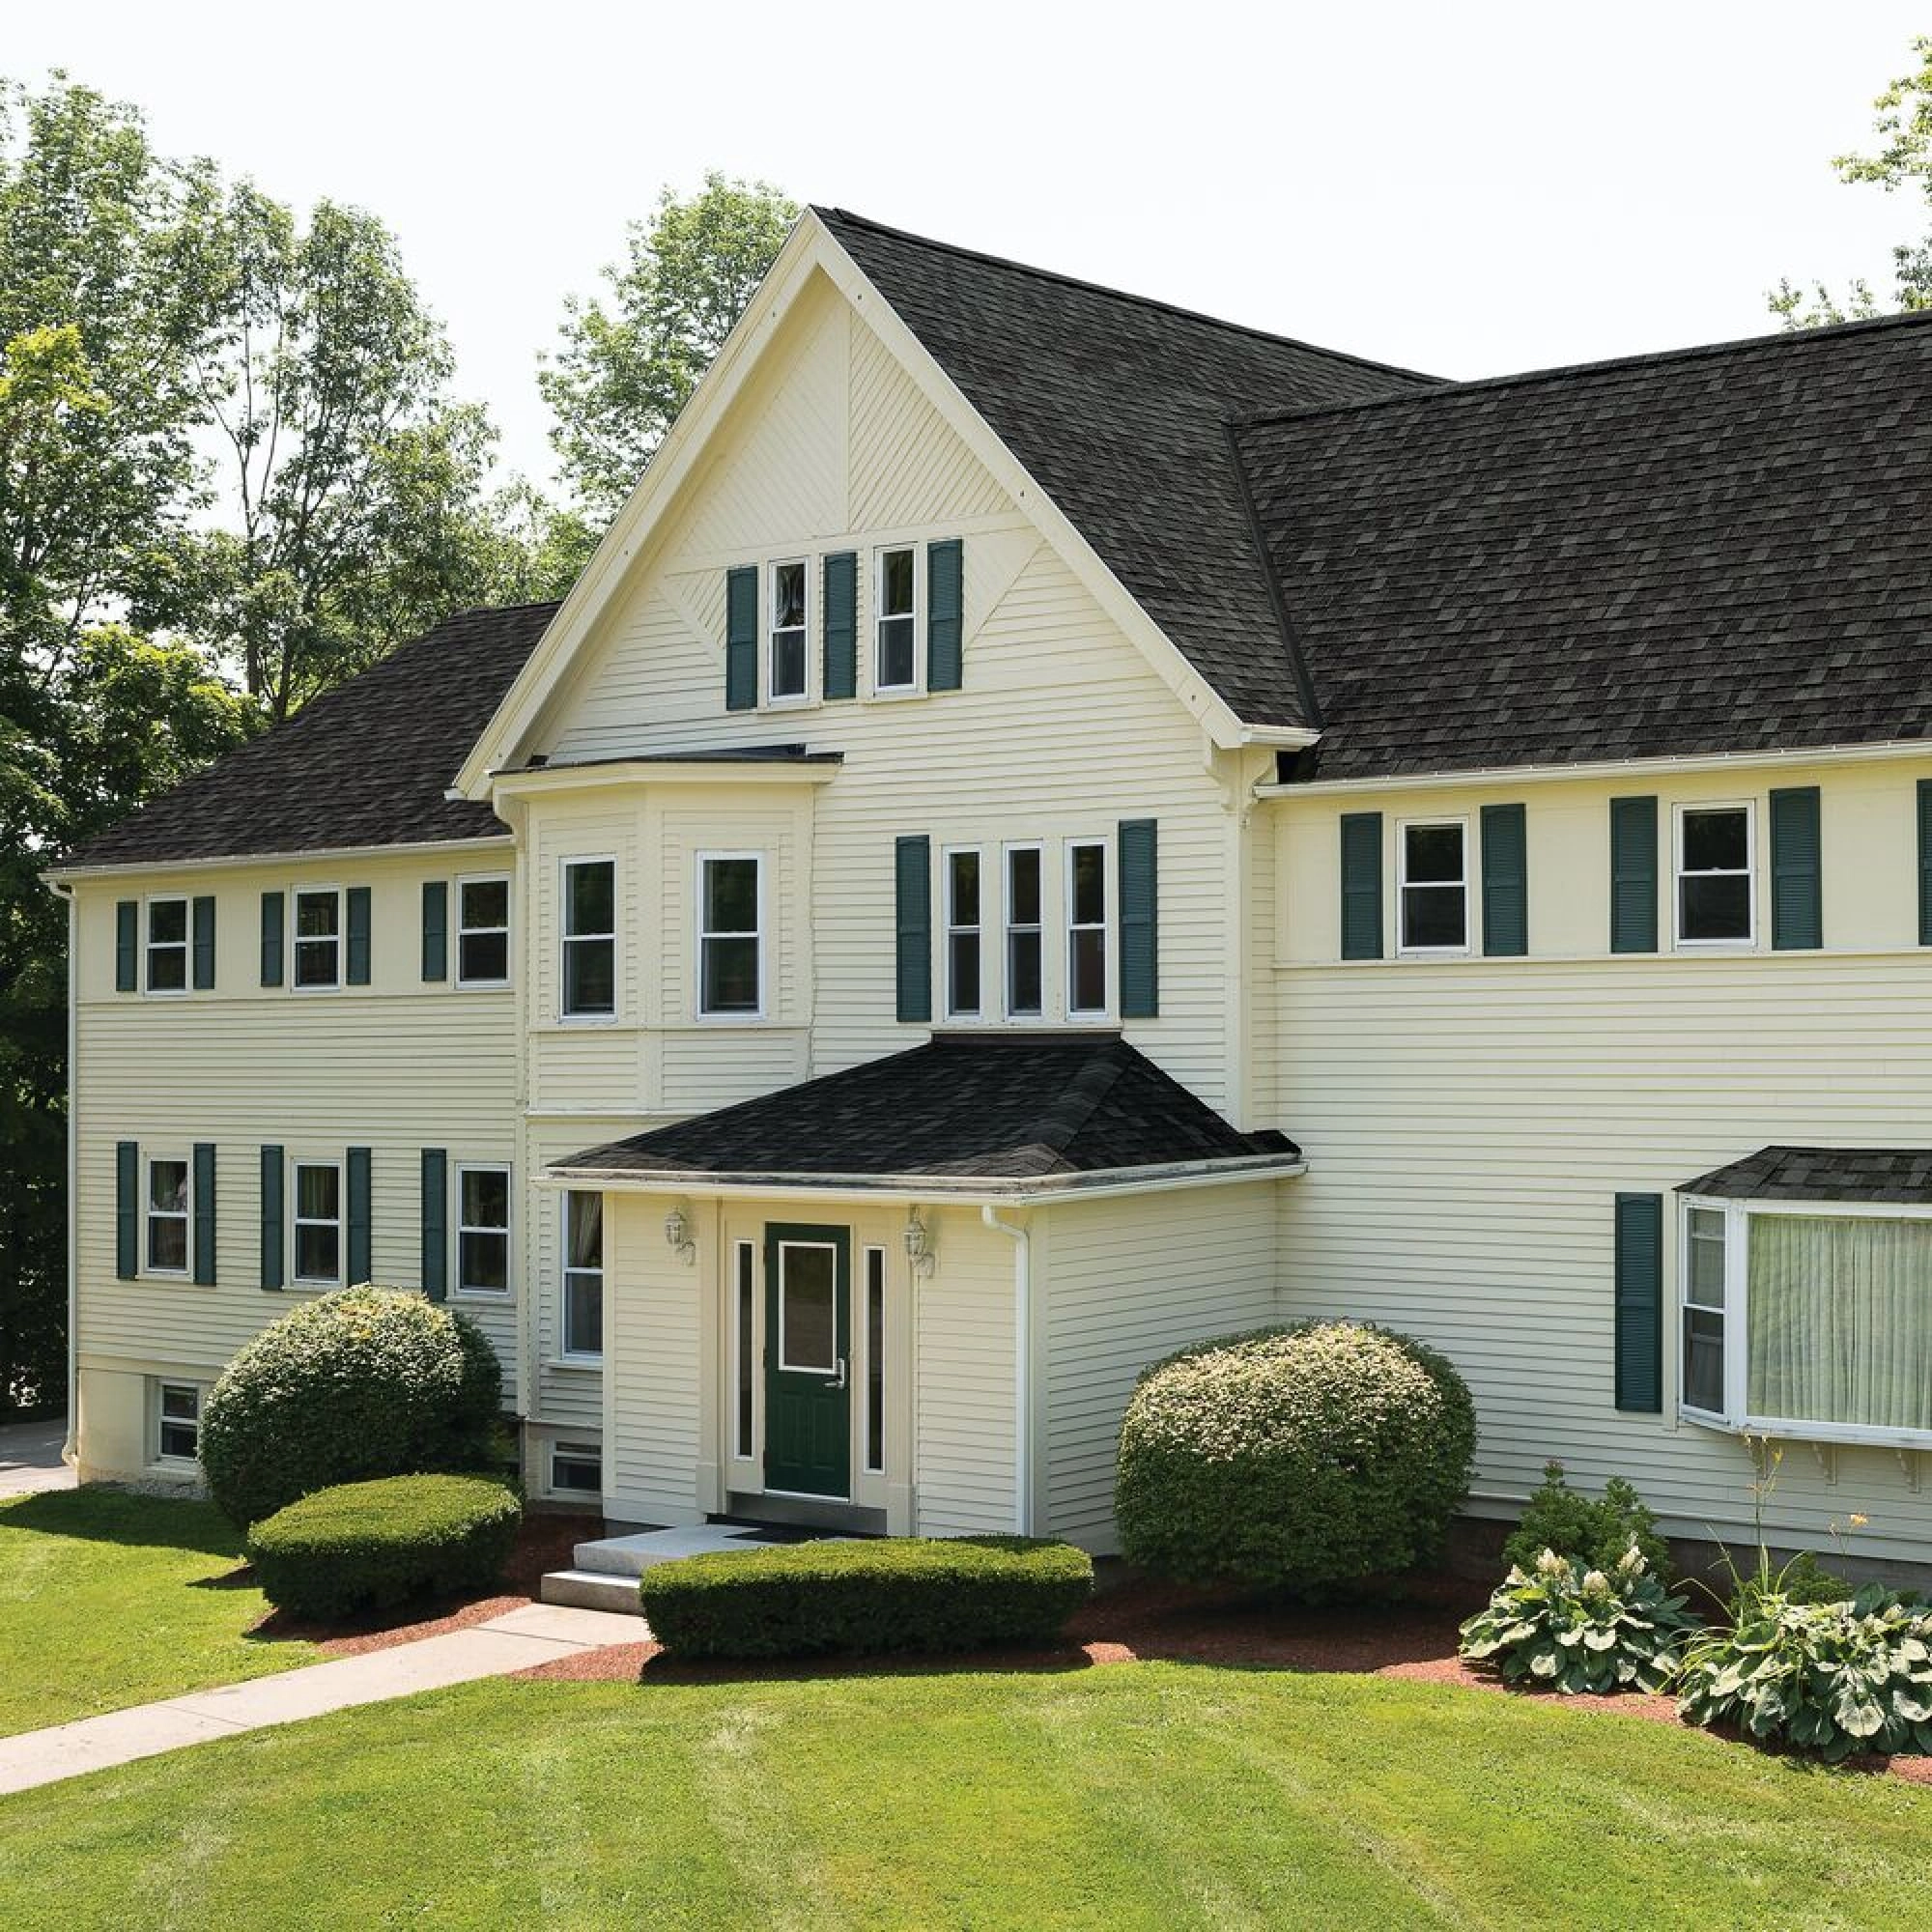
[[808, 1350]]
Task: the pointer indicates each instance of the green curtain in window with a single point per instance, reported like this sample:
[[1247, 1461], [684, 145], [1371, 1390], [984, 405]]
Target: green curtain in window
[[1841, 1321]]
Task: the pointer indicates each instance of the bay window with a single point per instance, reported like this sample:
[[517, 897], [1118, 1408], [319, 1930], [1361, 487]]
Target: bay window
[[589, 939], [730, 937], [583, 1276]]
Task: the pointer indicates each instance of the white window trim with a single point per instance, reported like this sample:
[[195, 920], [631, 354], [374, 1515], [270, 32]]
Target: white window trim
[[158, 1386], [509, 955], [493, 1296], [863, 1351], [1090, 1016], [917, 687], [1738, 1418], [148, 1269], [1002, 1004], [1749, 807], [777, 1341], [186, 949], [946, 928], [770, 608], [743, 1253], [297, 893], [575, 1452], [569, 1357], [1404, 950], [297, 1221], [565, 864], [700, 935]]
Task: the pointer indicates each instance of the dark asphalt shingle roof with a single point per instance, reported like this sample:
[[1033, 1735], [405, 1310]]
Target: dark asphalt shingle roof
[[1117, 406], [1902, 1175], [1718, 550], [997, 1106], [367, 764]]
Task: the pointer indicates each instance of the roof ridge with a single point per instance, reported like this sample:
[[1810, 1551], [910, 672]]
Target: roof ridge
[[828, 213], [1075, 1104], [1786, 338]]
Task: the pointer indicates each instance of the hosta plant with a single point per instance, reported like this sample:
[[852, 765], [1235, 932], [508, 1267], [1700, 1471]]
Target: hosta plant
[[1830, 1678], [1561, 1627]]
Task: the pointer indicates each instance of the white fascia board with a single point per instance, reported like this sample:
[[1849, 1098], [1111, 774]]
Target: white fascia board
[[429, 848], [736, 773]]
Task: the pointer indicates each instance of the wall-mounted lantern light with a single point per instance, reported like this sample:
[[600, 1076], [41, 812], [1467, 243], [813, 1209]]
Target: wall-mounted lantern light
[[918, 1244], [677, 1235]]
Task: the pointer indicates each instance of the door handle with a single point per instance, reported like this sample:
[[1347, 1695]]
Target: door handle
[[839, 1380]]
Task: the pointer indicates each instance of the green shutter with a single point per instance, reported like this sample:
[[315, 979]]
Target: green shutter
[[1639, 1323], [1505, 882], [435, 1223], [913, 884], [358, 1166], [1632, 875], [359, 935], [1925, 861], [1139, 867], [203, 1212], [271, 939], [1361, 885], [945, 615], [273, 1173], [127, 945], [741, 639], [436, 930], [841, 625], [1797, 883], [204, 945], [127, 1209]]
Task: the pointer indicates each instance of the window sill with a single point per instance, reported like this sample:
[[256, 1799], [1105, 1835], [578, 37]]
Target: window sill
[[583, 1364], [1841, 1435], [485, 1297]]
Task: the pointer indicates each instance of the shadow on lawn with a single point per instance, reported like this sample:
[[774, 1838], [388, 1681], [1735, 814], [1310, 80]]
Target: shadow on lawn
[[98, 1515]]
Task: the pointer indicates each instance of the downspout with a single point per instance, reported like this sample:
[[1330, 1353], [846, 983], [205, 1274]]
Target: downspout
[[1022, 1367], [70, 1448]]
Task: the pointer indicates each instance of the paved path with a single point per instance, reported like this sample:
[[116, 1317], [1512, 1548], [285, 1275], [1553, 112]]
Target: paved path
[[538, 1634], [30, 1458]]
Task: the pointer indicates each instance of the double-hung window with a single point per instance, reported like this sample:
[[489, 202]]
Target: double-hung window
[[318, 940], [1025, 977], [583, 1313], [730, 940], [787, 660], [316, 1225], [483, 1230], [177, 1422], [482, 932], [1432, 886], [168, 1209], [896, 667], [1085, 928], [167, 946], [1714, 895], [964, 996], [589, 988]]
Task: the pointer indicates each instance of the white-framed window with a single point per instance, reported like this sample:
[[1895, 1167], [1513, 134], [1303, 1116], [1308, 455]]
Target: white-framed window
[[581, 1317], [167, 945], [1806, 1320], [315, 1227], [317, 938], [1432, 885], [1022, 904], [169, 1209], [874, 1315], [744, 1348], [482, 1230], [587, 983], [731, 935], [177, 1426], [483, 931], [964, 881], [1716, 896], [789, 639], [807, 1305], [576, 1469], [896, 648], [1087, 893]]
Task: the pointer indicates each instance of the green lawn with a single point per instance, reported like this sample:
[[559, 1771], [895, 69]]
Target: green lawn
[[1126, 1795], [108, 1600]]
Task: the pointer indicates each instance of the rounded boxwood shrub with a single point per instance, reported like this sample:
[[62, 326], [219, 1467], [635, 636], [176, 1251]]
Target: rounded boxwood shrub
[[368, 1382], [363, 1545], [1293, 1459], [905, 1593]]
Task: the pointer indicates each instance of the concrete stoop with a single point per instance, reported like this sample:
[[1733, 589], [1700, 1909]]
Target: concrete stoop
[[604, 1572]]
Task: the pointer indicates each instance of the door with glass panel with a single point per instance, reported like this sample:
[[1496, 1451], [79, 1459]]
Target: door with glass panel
[[808, 1358]]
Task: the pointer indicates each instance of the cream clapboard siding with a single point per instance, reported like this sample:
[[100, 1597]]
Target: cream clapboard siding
[[964, 1357], [394, 1066], [654, 1368], [1125, 1282], [1467, 1124]]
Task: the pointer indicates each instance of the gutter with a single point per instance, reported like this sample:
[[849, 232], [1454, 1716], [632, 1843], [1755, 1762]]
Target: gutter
[[1022, 1367], [59, 875]]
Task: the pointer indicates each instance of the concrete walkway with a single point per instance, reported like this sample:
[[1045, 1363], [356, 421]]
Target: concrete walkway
[[538, 1634], [30, 1458]]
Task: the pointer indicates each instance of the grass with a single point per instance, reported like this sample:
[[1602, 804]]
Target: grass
[[108, 1600], [1127, 1796]]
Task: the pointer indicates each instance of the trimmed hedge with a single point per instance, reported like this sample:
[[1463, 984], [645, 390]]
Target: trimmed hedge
[[903, 1593], [364, 1382], [363, 1545], [1293, 1459]]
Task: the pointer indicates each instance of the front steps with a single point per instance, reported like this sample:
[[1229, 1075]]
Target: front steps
[[606, 1571]]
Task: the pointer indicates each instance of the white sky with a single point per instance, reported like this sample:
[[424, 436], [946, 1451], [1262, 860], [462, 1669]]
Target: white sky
[[1462, 188]]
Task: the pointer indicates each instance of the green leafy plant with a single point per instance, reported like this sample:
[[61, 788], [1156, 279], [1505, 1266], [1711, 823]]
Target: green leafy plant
[[365, 1382], [902, 1594], [1576, 1631], [363, 1545], [1293, 1459], [1592, 1531]]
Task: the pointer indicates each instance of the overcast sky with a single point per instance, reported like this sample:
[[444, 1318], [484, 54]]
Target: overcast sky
[[1462, 188]]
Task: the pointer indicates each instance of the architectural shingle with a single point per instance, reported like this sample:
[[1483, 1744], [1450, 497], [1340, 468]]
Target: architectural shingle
[[1900, 1174]]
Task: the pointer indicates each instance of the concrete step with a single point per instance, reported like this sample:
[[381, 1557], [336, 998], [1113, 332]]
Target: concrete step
[[594, 1590], [632, 1555]]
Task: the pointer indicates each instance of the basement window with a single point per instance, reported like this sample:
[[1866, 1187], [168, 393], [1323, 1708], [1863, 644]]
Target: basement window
[[576, 1470]]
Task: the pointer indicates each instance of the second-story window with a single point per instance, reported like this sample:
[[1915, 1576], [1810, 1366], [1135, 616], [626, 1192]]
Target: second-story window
[[788, 657], [962, 934], [1025, 979], [1087, 927], [483, 1230], [731, 943], [1714, 876], [318, 939], [896, 666], [482, 932], [167, 1216], [317, 1232], [167, 946], [1432, 886], [589, 939]]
